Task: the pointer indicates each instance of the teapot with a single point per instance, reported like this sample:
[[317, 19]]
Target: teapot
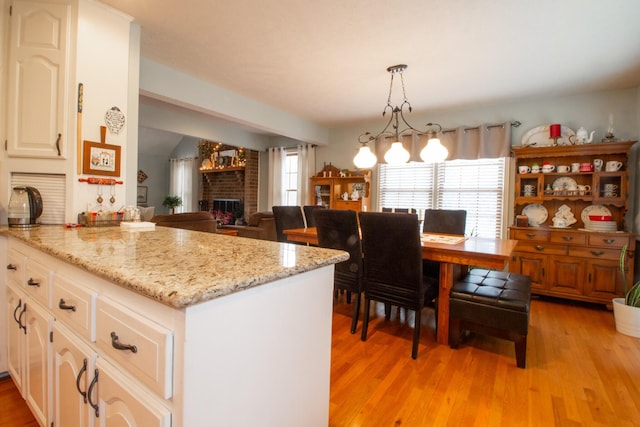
[[345, 196], [583, 136]]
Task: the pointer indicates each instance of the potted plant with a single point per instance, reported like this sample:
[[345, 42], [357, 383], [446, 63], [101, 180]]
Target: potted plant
[[626, 311], [172, 202]]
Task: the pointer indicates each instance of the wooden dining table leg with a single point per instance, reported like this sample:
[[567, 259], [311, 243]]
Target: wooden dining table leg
[[446, 282]]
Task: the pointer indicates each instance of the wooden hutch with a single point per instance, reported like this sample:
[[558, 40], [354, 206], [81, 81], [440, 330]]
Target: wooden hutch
[[331, 183], [575, 262]]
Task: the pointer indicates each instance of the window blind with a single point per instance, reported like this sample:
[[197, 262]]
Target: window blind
[[477, 186], [52, 190]]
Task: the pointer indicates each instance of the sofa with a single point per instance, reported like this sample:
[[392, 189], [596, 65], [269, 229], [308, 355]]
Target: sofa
[[260, 225], [197, 221]]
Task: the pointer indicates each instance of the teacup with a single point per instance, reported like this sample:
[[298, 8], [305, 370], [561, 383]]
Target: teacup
[[535, 168], [586, 167], [613, 166], [583, 189], [597, 163], [610, 187], [524, 169], [563, 168], [610, 194], [575, 167]]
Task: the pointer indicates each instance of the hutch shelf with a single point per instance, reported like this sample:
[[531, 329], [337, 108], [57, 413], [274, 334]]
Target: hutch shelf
[[574, 262]]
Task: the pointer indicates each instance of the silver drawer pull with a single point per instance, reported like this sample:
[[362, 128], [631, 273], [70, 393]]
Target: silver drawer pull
[[597, 253], [116, 344], [608, 241], [539, 248], [531, 235], [567, 238], [63, 306], [32, 282]]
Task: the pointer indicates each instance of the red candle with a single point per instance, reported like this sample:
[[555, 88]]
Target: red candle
[[554, 131]]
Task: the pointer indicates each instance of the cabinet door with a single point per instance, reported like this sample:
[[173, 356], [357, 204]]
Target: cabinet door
[[39, 325], [567, 275], [603, 280], [38, 84], [73, 367], [15, 336], [532, 265], [122, 402]]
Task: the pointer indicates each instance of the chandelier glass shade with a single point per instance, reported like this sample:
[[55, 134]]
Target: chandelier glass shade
[[433, 151]]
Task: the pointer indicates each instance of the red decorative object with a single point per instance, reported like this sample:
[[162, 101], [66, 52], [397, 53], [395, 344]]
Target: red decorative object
[[555, 131], [100, 181]]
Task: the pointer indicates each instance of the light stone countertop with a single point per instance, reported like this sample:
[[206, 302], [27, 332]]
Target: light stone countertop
[[174, 266]]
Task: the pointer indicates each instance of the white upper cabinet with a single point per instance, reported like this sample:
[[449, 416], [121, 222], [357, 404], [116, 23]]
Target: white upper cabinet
[[39, 78]]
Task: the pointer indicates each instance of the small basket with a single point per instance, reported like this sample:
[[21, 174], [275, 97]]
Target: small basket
[[100, 219]]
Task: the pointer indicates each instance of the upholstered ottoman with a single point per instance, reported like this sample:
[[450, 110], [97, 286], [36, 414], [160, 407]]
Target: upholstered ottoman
[[492, 303]]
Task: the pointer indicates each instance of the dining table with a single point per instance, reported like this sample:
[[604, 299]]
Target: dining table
[[454, 253]]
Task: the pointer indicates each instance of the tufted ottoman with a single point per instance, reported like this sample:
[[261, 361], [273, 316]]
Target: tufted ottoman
[[492, 303]]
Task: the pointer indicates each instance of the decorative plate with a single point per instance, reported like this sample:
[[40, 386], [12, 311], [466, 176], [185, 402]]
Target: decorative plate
[[536, 214], [539, 137], [114, 118], [142, 176], [565, 183], [593, 210]]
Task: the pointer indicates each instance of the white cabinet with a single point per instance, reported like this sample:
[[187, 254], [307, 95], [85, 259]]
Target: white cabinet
[[73, 368], [28, 333], [39, 79], [122, 402]]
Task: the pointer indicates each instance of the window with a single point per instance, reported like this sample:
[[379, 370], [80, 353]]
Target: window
[[290, 184], [478, 186]]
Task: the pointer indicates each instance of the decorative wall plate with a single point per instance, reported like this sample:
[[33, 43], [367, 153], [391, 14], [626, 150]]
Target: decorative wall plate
[[142, 176], [539, 137], [114, 118], [536, 214], [565, 183]]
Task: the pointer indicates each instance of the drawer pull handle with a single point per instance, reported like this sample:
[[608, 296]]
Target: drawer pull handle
[[567, 238], [116, 344], [82, 371], [15, 312], [63, 306], [32, 282], [58, 143], [93, 383], [24, 310], [531, 235], [597, 253], [539, 248], [608, 241], [11, 267]]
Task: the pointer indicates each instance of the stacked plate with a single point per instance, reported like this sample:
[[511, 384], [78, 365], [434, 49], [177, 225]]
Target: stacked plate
[[601, 225]]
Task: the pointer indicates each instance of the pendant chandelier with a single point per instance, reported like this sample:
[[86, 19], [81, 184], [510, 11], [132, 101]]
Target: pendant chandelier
[[433, 151]]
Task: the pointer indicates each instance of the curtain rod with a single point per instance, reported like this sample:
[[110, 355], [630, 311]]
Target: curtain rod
[[514, 123]]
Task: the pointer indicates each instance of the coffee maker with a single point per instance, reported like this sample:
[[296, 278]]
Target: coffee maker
[[25, 207]]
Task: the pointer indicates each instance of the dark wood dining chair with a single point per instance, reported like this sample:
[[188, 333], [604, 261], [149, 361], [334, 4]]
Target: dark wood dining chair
[[338, 229], [287, 217], [442, 221], [308, 214], [392, 255]]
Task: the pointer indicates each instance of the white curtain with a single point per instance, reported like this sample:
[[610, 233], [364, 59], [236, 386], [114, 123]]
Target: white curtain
[[277, 160], [183, 177], [306, 169]]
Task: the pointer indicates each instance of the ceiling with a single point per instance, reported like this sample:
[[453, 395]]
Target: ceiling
[[326, 61]]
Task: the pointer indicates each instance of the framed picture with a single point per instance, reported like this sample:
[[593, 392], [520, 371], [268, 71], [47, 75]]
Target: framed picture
[[142, 194], [101, 159]]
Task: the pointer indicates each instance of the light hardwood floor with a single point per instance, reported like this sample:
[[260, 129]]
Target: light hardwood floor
[[580, 372]]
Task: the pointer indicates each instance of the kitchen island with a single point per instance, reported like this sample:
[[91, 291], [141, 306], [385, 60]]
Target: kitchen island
[[226, 330]]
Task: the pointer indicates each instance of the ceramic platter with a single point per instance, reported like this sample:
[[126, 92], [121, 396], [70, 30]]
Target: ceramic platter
[[536, 214], [593, 210], [539, 137], [564, 183]]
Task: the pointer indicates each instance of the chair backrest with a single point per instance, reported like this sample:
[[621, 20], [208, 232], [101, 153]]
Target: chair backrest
[[308, 214], [338, 229], [445, 221], [392, 257], [287, 217]]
